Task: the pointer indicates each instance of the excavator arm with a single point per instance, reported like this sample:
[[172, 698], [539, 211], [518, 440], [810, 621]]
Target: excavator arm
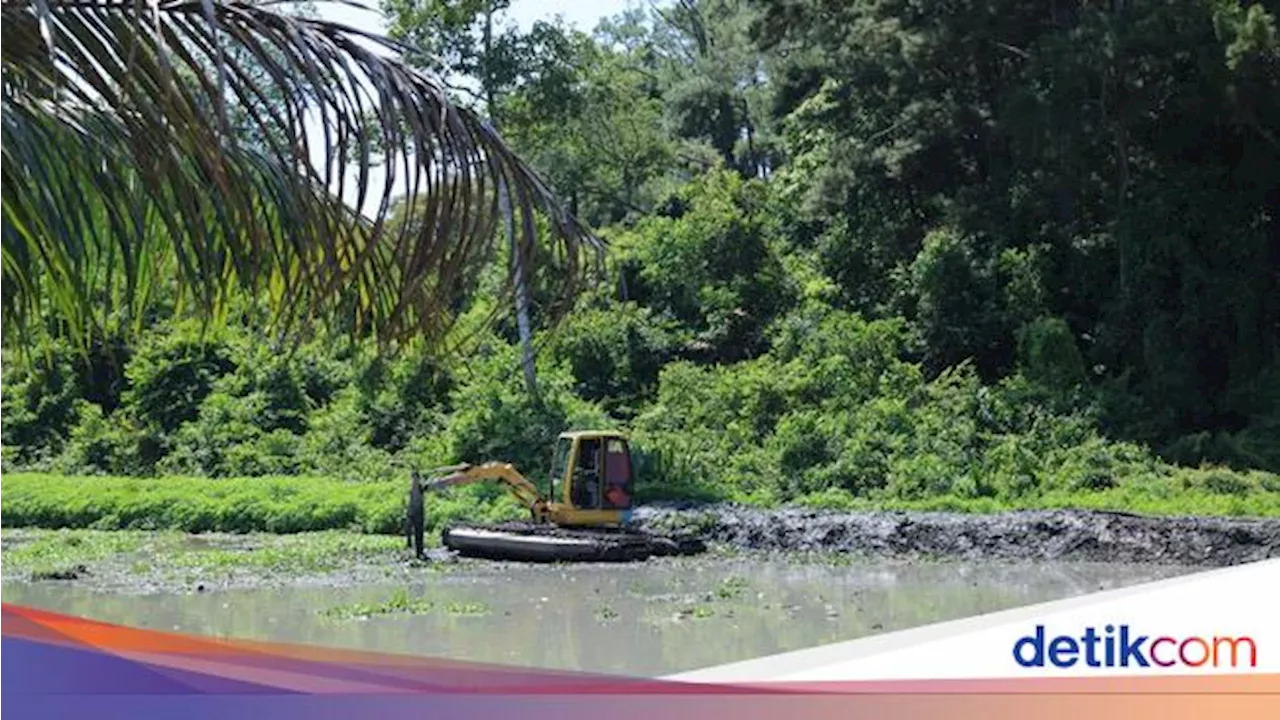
[[523, 490], [519, 486]]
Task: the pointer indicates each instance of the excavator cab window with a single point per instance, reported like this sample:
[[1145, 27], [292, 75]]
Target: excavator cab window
[[586, 480], [617, 475], [559, 464]]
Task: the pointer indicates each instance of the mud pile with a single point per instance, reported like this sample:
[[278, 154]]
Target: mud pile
[[1063, 535]]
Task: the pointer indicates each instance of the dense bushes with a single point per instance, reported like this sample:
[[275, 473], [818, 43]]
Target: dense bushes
[[1036, 273], [723, 349], [227, 405], [615, 352], [710, 263], [495, 418], [40, 402], [837, 409]]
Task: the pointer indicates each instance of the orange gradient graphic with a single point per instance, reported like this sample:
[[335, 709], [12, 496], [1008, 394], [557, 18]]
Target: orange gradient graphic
[[321, 681]]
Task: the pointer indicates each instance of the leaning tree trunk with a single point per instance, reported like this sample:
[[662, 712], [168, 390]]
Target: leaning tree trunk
[[517, 253], [522, 299]]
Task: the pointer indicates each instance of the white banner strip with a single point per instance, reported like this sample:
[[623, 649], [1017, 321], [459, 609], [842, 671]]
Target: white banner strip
[[1218, 621]]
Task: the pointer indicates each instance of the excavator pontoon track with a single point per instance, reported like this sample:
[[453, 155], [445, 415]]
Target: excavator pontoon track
[[531, 542]]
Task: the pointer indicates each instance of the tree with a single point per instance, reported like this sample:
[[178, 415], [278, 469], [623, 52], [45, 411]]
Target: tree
[[466, 39], [716, 82], [1129, 147], [598, 134], [168, 141]]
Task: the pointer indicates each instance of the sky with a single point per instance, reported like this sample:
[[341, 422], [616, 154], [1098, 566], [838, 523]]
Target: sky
[[584, 14]]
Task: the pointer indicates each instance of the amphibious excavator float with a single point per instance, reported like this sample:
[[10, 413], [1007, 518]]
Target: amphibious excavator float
[[584, 517]]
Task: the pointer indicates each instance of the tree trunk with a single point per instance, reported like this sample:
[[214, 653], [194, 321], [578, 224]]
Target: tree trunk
[[517, 253], [522, 299]]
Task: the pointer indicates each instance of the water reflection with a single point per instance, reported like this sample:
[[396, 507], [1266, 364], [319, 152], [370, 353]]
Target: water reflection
[[645, 619]]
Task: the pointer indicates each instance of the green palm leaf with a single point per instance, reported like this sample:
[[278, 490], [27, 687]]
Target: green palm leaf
[[166, 140]]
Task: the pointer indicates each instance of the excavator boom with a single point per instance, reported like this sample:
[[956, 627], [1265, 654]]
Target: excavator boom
[[520, 487]]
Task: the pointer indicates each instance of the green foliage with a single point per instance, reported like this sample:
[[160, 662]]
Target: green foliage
[[339, 442], [39, 404], [194, 505], [956, 301], [710, 265], [236, 505], [294, 505], [496, 418], [615, 353], [1115, 168], [1034, 275], [844, 420], [403, 398], [99, 444], [172, 372], [600, 138], [1050, 356], [399, 602]]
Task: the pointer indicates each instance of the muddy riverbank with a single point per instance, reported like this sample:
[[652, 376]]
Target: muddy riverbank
[[139, 562], [131, 561], [1054, 535]]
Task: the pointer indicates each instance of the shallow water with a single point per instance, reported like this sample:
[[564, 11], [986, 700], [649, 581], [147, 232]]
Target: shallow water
[[646, 619]]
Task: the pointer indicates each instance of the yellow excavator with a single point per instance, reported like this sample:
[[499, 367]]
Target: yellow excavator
[[585, 515]]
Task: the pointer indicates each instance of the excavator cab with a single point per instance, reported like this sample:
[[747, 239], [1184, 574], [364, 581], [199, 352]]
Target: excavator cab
[[592, 471]]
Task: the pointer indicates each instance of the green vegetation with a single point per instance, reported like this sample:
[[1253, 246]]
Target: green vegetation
[[169, 555], [50, 555], [96, 227], [731, 588], [399, 602], [235, 505], [1044, 274], [308, 505], [698, 612], [466, 609], [314, 552]]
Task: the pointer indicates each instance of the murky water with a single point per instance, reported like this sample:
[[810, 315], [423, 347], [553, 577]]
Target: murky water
[[645, 619]]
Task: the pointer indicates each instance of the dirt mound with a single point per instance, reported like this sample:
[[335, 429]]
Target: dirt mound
[[1067, 535]]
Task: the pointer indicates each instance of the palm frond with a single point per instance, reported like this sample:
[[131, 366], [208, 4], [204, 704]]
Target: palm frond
[[172, 133]]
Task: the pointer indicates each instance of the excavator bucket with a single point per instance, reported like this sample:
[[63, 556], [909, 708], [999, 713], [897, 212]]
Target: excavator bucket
[[416, 525]]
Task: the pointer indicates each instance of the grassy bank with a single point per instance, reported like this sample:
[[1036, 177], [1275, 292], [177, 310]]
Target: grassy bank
[[286, 505], [237, 505]]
